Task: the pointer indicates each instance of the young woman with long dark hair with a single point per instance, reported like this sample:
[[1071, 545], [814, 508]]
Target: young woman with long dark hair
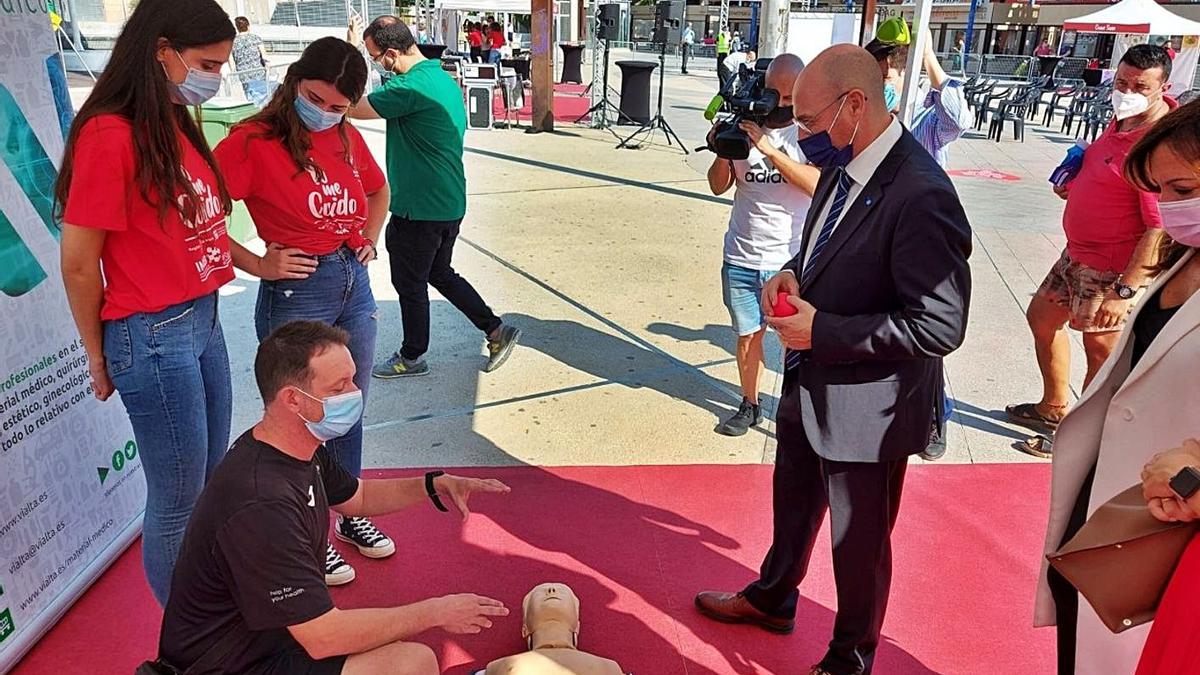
[[319, 200], [144, 250]]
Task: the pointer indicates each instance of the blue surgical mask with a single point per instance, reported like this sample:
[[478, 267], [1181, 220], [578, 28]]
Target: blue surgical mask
[[314, 117], [819, 150], [341, 413], [197, 87], [890, 99]]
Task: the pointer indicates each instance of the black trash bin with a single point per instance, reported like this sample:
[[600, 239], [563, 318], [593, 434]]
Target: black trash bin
[[1047, 66], [635, 89], [572, 61], [519, 65], [431, 51]]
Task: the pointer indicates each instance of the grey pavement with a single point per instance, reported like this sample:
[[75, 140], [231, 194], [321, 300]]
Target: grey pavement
[[609, 260]]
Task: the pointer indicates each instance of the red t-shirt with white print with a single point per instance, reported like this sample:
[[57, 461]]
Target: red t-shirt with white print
[[296, 208], [148, 265]]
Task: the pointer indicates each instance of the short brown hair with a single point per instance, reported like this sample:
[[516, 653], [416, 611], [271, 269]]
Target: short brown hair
[[283, 358], [242, 23]]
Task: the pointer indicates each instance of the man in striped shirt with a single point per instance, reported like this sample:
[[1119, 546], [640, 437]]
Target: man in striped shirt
[[942, 114]]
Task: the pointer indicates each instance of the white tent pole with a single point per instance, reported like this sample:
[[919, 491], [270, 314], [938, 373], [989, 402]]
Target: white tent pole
[[916, 52]]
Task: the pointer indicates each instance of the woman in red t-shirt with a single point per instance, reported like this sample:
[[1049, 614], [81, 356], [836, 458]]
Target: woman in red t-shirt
[[144, 250], [496, 40], [318, 200], [475, 40]]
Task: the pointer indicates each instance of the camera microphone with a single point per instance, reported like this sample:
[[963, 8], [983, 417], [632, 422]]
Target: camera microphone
[[714, 107]]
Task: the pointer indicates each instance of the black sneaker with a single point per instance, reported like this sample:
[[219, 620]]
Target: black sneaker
[[500, 348], [337, 570], [937, 445], [365, 536], [748, 415]]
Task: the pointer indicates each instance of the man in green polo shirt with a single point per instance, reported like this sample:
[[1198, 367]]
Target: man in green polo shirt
[[426, 121]]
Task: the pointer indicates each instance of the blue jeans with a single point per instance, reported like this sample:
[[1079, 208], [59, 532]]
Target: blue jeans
[[172, 372], [337, 293], [741, 289]]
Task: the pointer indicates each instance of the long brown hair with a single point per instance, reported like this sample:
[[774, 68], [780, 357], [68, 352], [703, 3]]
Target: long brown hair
[[135, 86], [1179, 131], [329, 60]]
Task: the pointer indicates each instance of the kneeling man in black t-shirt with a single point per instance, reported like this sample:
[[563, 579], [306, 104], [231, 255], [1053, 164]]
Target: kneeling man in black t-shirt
[[249, 594]]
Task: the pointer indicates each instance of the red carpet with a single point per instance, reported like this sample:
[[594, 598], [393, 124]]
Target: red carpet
[[637, 542], [568, 104]]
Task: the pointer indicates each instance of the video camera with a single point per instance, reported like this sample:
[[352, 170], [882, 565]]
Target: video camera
[[744, 97]]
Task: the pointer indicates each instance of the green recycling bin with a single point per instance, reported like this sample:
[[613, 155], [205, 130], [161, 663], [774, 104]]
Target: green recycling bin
[[217, 119]]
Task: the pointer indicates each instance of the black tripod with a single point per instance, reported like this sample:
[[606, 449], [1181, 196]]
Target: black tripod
[[604, 105], [658, 121]]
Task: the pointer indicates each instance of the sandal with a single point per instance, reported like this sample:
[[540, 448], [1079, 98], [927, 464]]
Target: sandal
[[1027, 415], [1038, 446]]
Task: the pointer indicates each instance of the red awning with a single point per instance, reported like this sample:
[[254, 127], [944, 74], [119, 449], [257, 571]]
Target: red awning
[[1135, 28]]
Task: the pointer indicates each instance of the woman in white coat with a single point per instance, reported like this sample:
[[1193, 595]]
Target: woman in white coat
[[1139, 403]]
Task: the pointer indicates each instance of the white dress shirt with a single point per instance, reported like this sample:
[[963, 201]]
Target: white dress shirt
[[860, 170]]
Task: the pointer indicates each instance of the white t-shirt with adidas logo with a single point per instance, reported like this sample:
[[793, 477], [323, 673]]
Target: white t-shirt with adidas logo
[[768, 212]]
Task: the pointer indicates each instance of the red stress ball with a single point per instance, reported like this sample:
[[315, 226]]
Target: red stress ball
[[782, 306]]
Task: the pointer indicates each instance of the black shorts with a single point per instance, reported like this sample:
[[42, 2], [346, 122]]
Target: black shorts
[[298, 662]]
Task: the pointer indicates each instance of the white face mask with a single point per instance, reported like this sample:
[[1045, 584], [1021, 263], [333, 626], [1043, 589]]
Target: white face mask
[[1129, 105], [1181, 220]]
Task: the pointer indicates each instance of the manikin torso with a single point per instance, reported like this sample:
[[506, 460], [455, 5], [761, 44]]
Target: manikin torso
[[552, 628]]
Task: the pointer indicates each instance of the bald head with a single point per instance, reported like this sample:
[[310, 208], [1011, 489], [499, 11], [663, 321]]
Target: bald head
[[843, 68], [841, 91], [783, 71], [781, 76]]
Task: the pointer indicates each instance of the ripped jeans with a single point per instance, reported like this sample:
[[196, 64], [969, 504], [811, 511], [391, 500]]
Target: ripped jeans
[[338, 293]]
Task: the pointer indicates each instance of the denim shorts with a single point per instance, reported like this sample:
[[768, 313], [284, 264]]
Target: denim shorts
[[742, 288]]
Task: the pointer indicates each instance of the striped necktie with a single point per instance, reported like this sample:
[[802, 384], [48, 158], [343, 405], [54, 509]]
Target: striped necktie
[[794, 357]]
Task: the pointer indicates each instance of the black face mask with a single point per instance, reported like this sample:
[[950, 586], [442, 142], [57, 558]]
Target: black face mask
[[780, 116]]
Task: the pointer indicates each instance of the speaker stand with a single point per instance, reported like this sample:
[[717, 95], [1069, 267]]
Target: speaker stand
[[658, 122], [604, 106]]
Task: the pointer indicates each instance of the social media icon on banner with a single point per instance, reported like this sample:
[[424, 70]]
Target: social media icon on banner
[[7, 627]]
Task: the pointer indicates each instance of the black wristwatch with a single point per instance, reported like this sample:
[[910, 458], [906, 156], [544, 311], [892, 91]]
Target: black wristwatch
[[1186, 482], [1123, 291], [432, 492]]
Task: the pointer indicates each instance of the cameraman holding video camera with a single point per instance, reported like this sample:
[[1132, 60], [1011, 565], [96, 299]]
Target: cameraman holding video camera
[[774, 187]]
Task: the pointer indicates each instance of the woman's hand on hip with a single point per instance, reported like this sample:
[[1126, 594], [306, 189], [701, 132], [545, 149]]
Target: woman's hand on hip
[[285, 263], [366, 253]]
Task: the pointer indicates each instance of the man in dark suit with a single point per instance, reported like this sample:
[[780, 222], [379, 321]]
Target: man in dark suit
[[881, 287]]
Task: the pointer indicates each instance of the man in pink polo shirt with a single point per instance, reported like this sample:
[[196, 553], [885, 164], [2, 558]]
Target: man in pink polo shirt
[[1113, 236]]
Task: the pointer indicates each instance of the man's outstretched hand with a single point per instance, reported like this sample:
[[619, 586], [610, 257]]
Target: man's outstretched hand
[[460, 489], [466, 613]]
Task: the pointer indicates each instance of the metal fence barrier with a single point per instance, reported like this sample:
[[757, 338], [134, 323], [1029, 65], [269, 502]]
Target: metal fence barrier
[[284, 25], [1000, 66]]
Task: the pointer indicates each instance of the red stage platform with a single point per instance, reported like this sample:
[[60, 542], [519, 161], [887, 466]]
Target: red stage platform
[[636, 543]]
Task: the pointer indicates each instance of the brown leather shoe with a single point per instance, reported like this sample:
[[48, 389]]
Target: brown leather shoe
[[735, 608]]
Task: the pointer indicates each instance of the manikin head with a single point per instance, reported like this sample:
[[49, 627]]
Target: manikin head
[[551, 617]]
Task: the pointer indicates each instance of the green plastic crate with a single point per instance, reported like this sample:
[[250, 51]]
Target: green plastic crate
[[217, 118]]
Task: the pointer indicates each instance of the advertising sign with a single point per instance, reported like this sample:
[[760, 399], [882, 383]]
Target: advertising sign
[[71, 489]]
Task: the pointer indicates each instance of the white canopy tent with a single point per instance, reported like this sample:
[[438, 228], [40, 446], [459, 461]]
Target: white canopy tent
[[447, 15], [1135, 22]]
